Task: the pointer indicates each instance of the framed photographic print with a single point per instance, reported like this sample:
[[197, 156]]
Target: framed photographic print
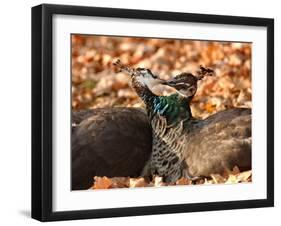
[[145, 112]]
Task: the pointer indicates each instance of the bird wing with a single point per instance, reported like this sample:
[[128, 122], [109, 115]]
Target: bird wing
[[219, 142], [111, 142]]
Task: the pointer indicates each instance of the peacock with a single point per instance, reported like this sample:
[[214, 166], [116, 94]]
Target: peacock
[[112, 142], [184, 146]]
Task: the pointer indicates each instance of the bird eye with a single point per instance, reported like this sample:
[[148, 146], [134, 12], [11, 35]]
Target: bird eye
[[181, 86], [150, 73], [192, 90], [154, 76]]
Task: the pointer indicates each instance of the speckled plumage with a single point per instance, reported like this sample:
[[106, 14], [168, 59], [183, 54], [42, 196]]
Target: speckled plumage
[[166, 160], [169, 114], [187, 147], [196, 148]]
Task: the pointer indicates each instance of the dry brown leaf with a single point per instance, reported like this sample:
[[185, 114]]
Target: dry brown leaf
[[102, 183], [120, 182], [138, 182], [232, 179], [245, 176], [210, 107], [158, 181], [183, 181], [217, 178]]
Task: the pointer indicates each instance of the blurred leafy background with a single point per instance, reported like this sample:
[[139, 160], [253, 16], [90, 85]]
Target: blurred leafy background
[[95, 82]]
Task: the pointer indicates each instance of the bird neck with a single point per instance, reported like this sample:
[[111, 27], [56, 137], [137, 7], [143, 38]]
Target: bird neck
[[144, 93], [174, 108]]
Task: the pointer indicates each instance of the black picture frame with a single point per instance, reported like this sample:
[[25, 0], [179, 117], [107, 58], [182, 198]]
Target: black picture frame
[[42, 107]]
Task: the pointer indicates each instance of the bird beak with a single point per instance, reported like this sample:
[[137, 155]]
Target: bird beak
[[157, 81], [122, 67], [161, 81], [169, 82]]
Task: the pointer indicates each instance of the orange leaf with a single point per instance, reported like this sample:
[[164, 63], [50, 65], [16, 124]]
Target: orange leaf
[[183, 181], [137, 182], [245, 176], [102, 183]]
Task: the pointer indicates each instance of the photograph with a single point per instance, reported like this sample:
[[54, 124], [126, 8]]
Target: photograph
[[142, 112], [149, 112]]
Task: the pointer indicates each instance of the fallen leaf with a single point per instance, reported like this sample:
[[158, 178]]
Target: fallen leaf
[[158, 181], [120, 182], [245, 176], [183, 181], [217, 178], [102, 183], [137, 182], [232, 179]]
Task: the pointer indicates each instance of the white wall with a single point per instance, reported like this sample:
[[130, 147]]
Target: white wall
[[15, 111]]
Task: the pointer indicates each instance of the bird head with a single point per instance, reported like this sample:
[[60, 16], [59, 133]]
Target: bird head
[[141, 75], [186, 83]]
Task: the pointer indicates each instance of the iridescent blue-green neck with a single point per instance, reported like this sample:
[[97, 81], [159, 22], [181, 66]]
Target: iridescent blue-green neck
[[174, 108]]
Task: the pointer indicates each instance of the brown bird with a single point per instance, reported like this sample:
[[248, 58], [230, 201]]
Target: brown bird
[[112, 142], [184, 146]]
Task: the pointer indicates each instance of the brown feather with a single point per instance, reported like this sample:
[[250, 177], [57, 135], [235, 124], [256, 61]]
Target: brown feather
[[109, 142], [219, 143]]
